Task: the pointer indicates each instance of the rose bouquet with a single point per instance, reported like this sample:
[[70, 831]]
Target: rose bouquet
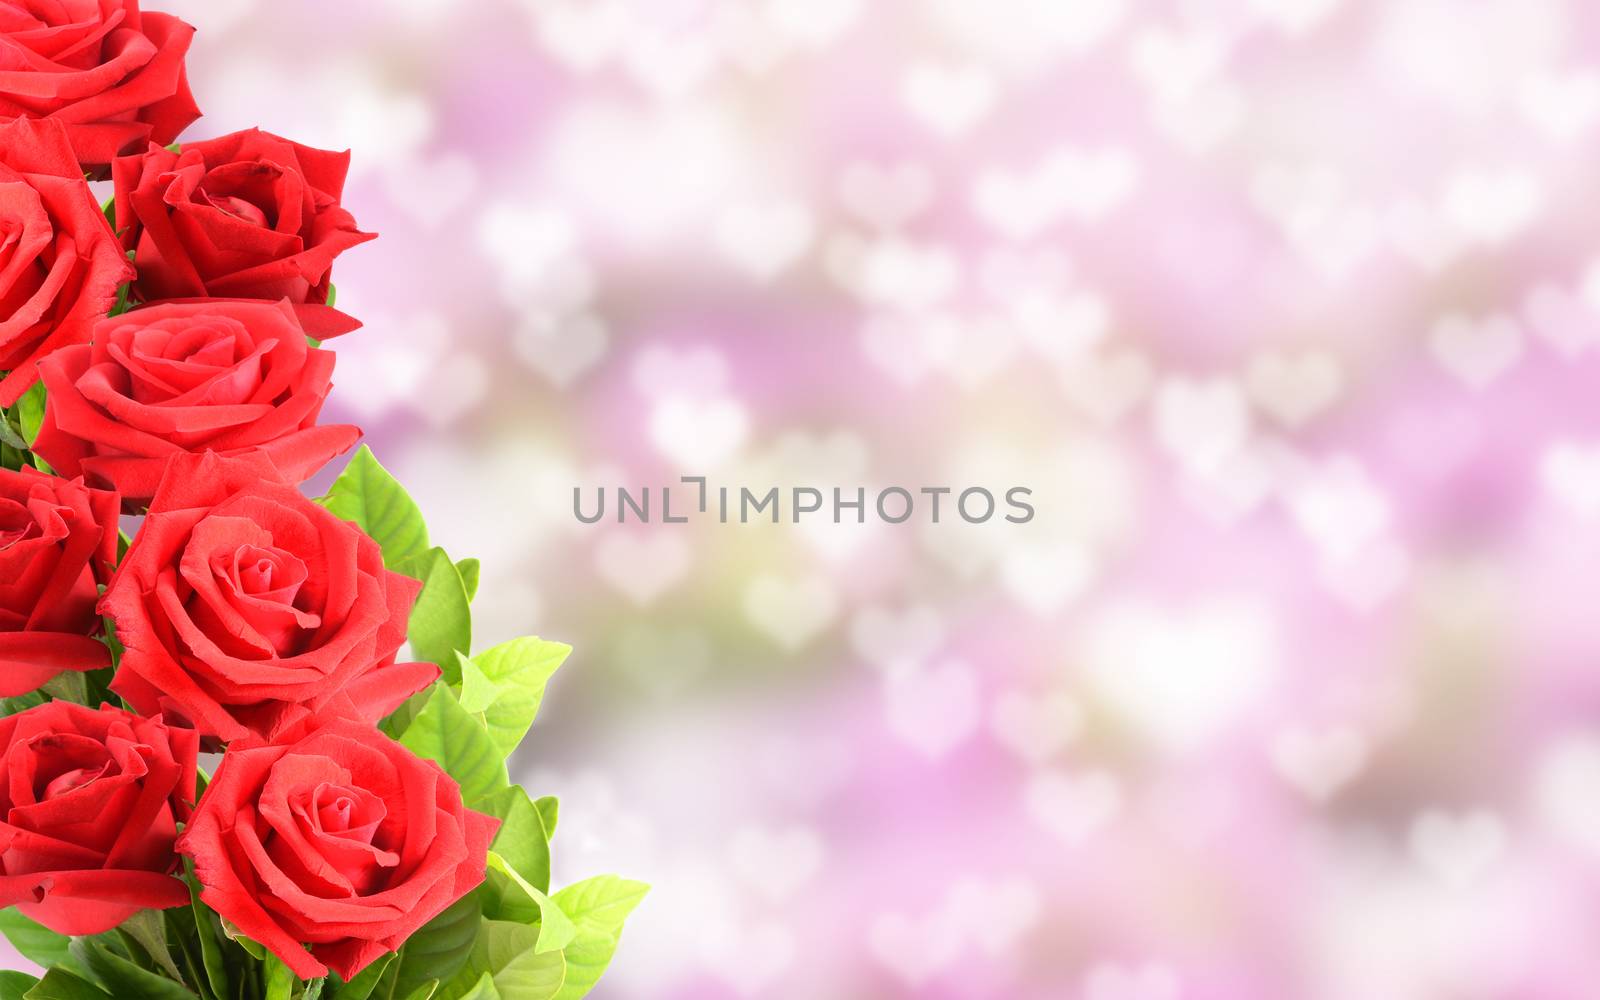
[[160, 357]]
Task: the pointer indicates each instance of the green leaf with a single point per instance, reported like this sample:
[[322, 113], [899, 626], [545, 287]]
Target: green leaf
[[521, 839], [483, 990], [367, 494], [11, 706], [598, 907], [37, 943], [470, 569], [477, 692], [59, 984], [30, 410], [69, 685], [207, 925], [13, 985], [364, 982], [425, 991], [519, 670], [555, 929], [549, 812], [441, 620], [401, 718], [505, 951], [238, 937], [436, 952], [10, 435], [314, 988], [149, 929], [280, 979], [446, 733], [121, 976]]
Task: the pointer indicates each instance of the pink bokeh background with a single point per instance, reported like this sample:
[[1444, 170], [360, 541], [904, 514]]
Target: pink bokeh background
[[1288, 311]]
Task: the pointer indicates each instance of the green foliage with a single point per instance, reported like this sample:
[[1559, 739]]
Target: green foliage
[[30, 413], [38, 944], [597, 907], [436, 952], [365, 981], [13, 985], [522, 839], [59, 984], [120, 975], [505, 952], [549, 812], [470, 570], [441, 620], [367, 494], [518, 672], [280, 979], [446, 733], [528, 905]]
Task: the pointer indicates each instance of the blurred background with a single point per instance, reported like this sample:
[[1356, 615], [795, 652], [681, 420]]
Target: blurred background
[[1287, 311]]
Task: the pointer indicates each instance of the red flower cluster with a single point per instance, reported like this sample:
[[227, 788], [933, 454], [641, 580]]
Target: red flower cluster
[[173, 335]]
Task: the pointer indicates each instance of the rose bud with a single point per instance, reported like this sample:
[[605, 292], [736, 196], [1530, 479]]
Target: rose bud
[[344, 840], [60, 265], [246, 609], [58, 542], [111, 73], [246, 216], [89, 812], [228, 377]]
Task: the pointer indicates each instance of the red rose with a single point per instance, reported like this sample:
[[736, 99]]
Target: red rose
[[58, 541], [246, 216], [345, 841], [247, 609], [60, 265], [218, 376], [109, 72], [88, 814]]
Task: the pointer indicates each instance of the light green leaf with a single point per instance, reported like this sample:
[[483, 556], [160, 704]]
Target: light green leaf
[[598, 907], [470, 569], [425, 991], [447, 734], [59, 984], [280, 979], [506, 952], [314, 988], [521, 839], [401, 718], [436, 952], [30, 410], [478, 692], [519, 670], [37, 943], [441, 620], [549, 812], [367, 494], [483, 990], [555, 930]]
